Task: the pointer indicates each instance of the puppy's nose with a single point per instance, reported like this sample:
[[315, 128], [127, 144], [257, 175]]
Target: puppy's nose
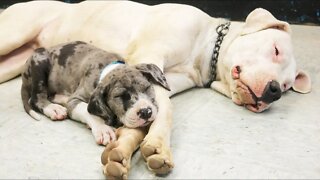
[[145, 113], [272, 92]]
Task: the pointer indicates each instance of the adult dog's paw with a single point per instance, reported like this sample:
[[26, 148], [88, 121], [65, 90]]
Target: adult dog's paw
[[157, 155], [103, 134], [55, 112], [116, 162]]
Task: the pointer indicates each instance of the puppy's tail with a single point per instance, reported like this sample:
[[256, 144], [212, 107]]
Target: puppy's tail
[[25, 96]]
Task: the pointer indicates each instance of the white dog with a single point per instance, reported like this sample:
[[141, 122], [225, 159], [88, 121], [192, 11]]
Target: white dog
[[255, 63]]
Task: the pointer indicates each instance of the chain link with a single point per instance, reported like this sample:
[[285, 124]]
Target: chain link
[[222, 30]]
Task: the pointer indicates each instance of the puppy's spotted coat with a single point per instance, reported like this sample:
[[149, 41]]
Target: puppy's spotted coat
[[66, 80]]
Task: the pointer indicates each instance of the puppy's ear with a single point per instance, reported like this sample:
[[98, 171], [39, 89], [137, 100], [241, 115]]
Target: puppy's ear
[[97, 105], [260, 19], [153, 73]]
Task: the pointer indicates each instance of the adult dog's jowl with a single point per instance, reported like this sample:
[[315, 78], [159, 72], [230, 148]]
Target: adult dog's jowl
[[255, 63]]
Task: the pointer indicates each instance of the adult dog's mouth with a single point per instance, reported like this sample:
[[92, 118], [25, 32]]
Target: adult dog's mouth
[[258, 107], [251, 101]]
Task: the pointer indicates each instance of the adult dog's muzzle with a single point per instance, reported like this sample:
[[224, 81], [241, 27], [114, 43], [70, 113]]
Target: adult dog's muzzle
[[271, 93]]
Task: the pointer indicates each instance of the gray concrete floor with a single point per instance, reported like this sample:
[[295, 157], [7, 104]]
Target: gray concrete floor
[[211, 137]]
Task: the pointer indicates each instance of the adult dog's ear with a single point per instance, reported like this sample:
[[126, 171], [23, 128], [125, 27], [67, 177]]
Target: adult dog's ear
[[97, 105], [260, 19], [153, 73], [302, 83]]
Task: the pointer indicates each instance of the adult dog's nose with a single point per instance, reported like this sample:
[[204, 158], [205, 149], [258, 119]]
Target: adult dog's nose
[[272, 92], [145, 113]]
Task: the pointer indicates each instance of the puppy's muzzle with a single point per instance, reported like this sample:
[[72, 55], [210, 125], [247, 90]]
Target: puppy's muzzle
[[145, 113]]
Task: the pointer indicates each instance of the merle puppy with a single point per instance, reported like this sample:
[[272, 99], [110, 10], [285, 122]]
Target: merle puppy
[[92, 86]]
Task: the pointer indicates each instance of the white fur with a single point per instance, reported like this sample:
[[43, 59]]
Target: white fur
[[102, 133], [35, 115], [55, 111], [108, 69], [131, 118]]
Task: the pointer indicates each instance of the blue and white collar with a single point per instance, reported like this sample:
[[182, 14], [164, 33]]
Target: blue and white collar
[[109, 68]]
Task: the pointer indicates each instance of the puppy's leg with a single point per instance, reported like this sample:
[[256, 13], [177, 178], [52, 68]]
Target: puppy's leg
[[102, 133], [60, 99], [39, 68], [156, 145], [116, 157]]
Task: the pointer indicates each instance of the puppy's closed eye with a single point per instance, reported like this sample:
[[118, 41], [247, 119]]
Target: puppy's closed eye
[[125, 96], [147, 89]]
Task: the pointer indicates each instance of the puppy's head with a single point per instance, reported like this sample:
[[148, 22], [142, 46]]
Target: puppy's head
[[258, 65], [126, 93]]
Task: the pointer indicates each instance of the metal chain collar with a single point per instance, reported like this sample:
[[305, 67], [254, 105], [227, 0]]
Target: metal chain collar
[[222, 30]]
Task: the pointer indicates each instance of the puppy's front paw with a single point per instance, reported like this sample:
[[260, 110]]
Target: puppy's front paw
[[103, 134], [55, 112]]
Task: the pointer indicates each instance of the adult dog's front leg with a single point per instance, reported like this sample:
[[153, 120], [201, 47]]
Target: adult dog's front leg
[[117, 155], [102, 133], [156, 145]]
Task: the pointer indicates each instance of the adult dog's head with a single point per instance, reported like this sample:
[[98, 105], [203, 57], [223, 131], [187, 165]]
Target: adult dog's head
[[126, 94], [256, 64]]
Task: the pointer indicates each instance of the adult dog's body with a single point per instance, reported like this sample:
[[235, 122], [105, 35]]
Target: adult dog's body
[[255, 65]]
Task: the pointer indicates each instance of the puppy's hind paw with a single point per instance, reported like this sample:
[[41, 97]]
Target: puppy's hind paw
[[55, 112]]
